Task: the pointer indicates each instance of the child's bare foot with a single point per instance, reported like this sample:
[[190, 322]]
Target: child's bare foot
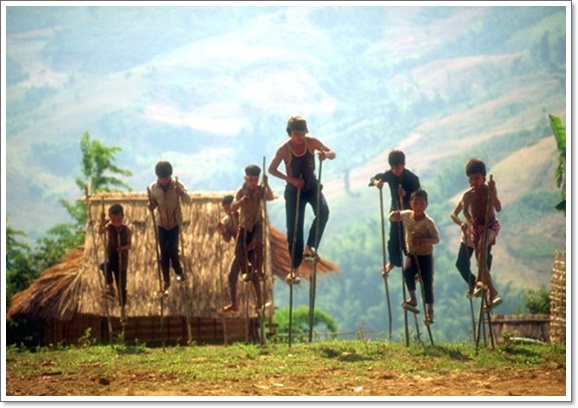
[[292, 279], [308, 252], [230, 308], [429, 316], [387, 268]]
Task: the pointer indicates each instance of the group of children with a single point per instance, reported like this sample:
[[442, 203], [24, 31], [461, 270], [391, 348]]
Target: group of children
[[480, 228], [412, 231]]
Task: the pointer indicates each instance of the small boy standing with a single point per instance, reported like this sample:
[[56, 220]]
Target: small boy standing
[[118, 237], [166, 195], [480, 203], [421, 235], [228, 227], [250, 235], [402, 183]]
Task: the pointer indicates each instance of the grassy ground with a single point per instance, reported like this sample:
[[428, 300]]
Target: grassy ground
[[334, 368]]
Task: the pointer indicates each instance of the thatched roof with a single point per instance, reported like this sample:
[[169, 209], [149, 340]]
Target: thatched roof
[[76, 284]]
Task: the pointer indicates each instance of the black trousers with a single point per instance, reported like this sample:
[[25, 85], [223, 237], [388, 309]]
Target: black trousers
[[306, 197]]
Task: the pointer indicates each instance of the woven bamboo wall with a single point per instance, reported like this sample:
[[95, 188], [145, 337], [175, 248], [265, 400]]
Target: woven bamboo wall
[[558, 299]]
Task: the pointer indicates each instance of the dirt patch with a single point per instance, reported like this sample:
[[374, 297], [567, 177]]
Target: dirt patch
[[547, 380]]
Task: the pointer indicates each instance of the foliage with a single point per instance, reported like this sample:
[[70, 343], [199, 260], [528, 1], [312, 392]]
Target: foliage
[[97, 161], [322, 322], [538, 301], [96, 165], [560, 173], [24, 264], [20, 270]]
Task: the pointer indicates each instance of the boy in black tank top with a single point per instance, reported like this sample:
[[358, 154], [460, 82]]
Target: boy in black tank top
[[298, 153]]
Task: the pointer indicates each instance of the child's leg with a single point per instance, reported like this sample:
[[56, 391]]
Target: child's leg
[[426, 269], [173, 247], [241, 251], [463, 265], [233, 278], [165, 259], [409, 272], [290, 214], [256, 252], [257, 286], [234, 270], [394, 245], [322, 213], [107, 272], [491, 235], [122, 285]]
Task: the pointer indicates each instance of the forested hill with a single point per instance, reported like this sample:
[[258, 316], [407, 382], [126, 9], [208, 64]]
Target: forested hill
[[210, 89]]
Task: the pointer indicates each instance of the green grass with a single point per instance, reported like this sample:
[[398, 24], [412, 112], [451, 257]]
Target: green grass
[[219, 362]]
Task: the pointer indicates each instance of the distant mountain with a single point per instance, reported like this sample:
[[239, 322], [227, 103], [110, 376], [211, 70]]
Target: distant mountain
[[210, 88]]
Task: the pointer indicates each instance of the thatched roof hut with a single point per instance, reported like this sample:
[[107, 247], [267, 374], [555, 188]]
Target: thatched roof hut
[[68, 297]]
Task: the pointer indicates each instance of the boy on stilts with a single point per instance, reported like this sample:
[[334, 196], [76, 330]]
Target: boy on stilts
[[250, 235], [482, 220], [421, 235], [115, 265], [228, 227], [164, 197], [402, 182], [298, 154]]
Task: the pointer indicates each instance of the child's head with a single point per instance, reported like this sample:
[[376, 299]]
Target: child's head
[[164, 171], [297, 124], [476, 172], [418, 201], [252, 173], [226, 203], [396, 160], [116, 214]]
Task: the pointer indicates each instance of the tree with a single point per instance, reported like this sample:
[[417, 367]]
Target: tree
[[560, 173], [97, 164], [300, 322], [23, 265], [538, 301]]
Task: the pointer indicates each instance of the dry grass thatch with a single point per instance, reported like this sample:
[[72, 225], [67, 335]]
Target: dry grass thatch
[[76, 285]]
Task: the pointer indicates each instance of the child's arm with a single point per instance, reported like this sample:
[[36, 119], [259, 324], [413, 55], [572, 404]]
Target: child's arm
[[434, 235], [268, 193], [431, 236], [273, 169], [377, 180], [128, 245], [394, 216], [152, 204], [467, 203], [239, 198], [102, 224], [454, 215], [182, 191], [323, 151]]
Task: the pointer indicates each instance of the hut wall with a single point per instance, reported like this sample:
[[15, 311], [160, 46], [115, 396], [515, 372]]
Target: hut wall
[[535, 326], [558, 299], [205, 257], [147, 330]]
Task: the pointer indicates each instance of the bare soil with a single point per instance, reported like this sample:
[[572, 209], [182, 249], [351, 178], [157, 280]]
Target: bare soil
[[546, 380]]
